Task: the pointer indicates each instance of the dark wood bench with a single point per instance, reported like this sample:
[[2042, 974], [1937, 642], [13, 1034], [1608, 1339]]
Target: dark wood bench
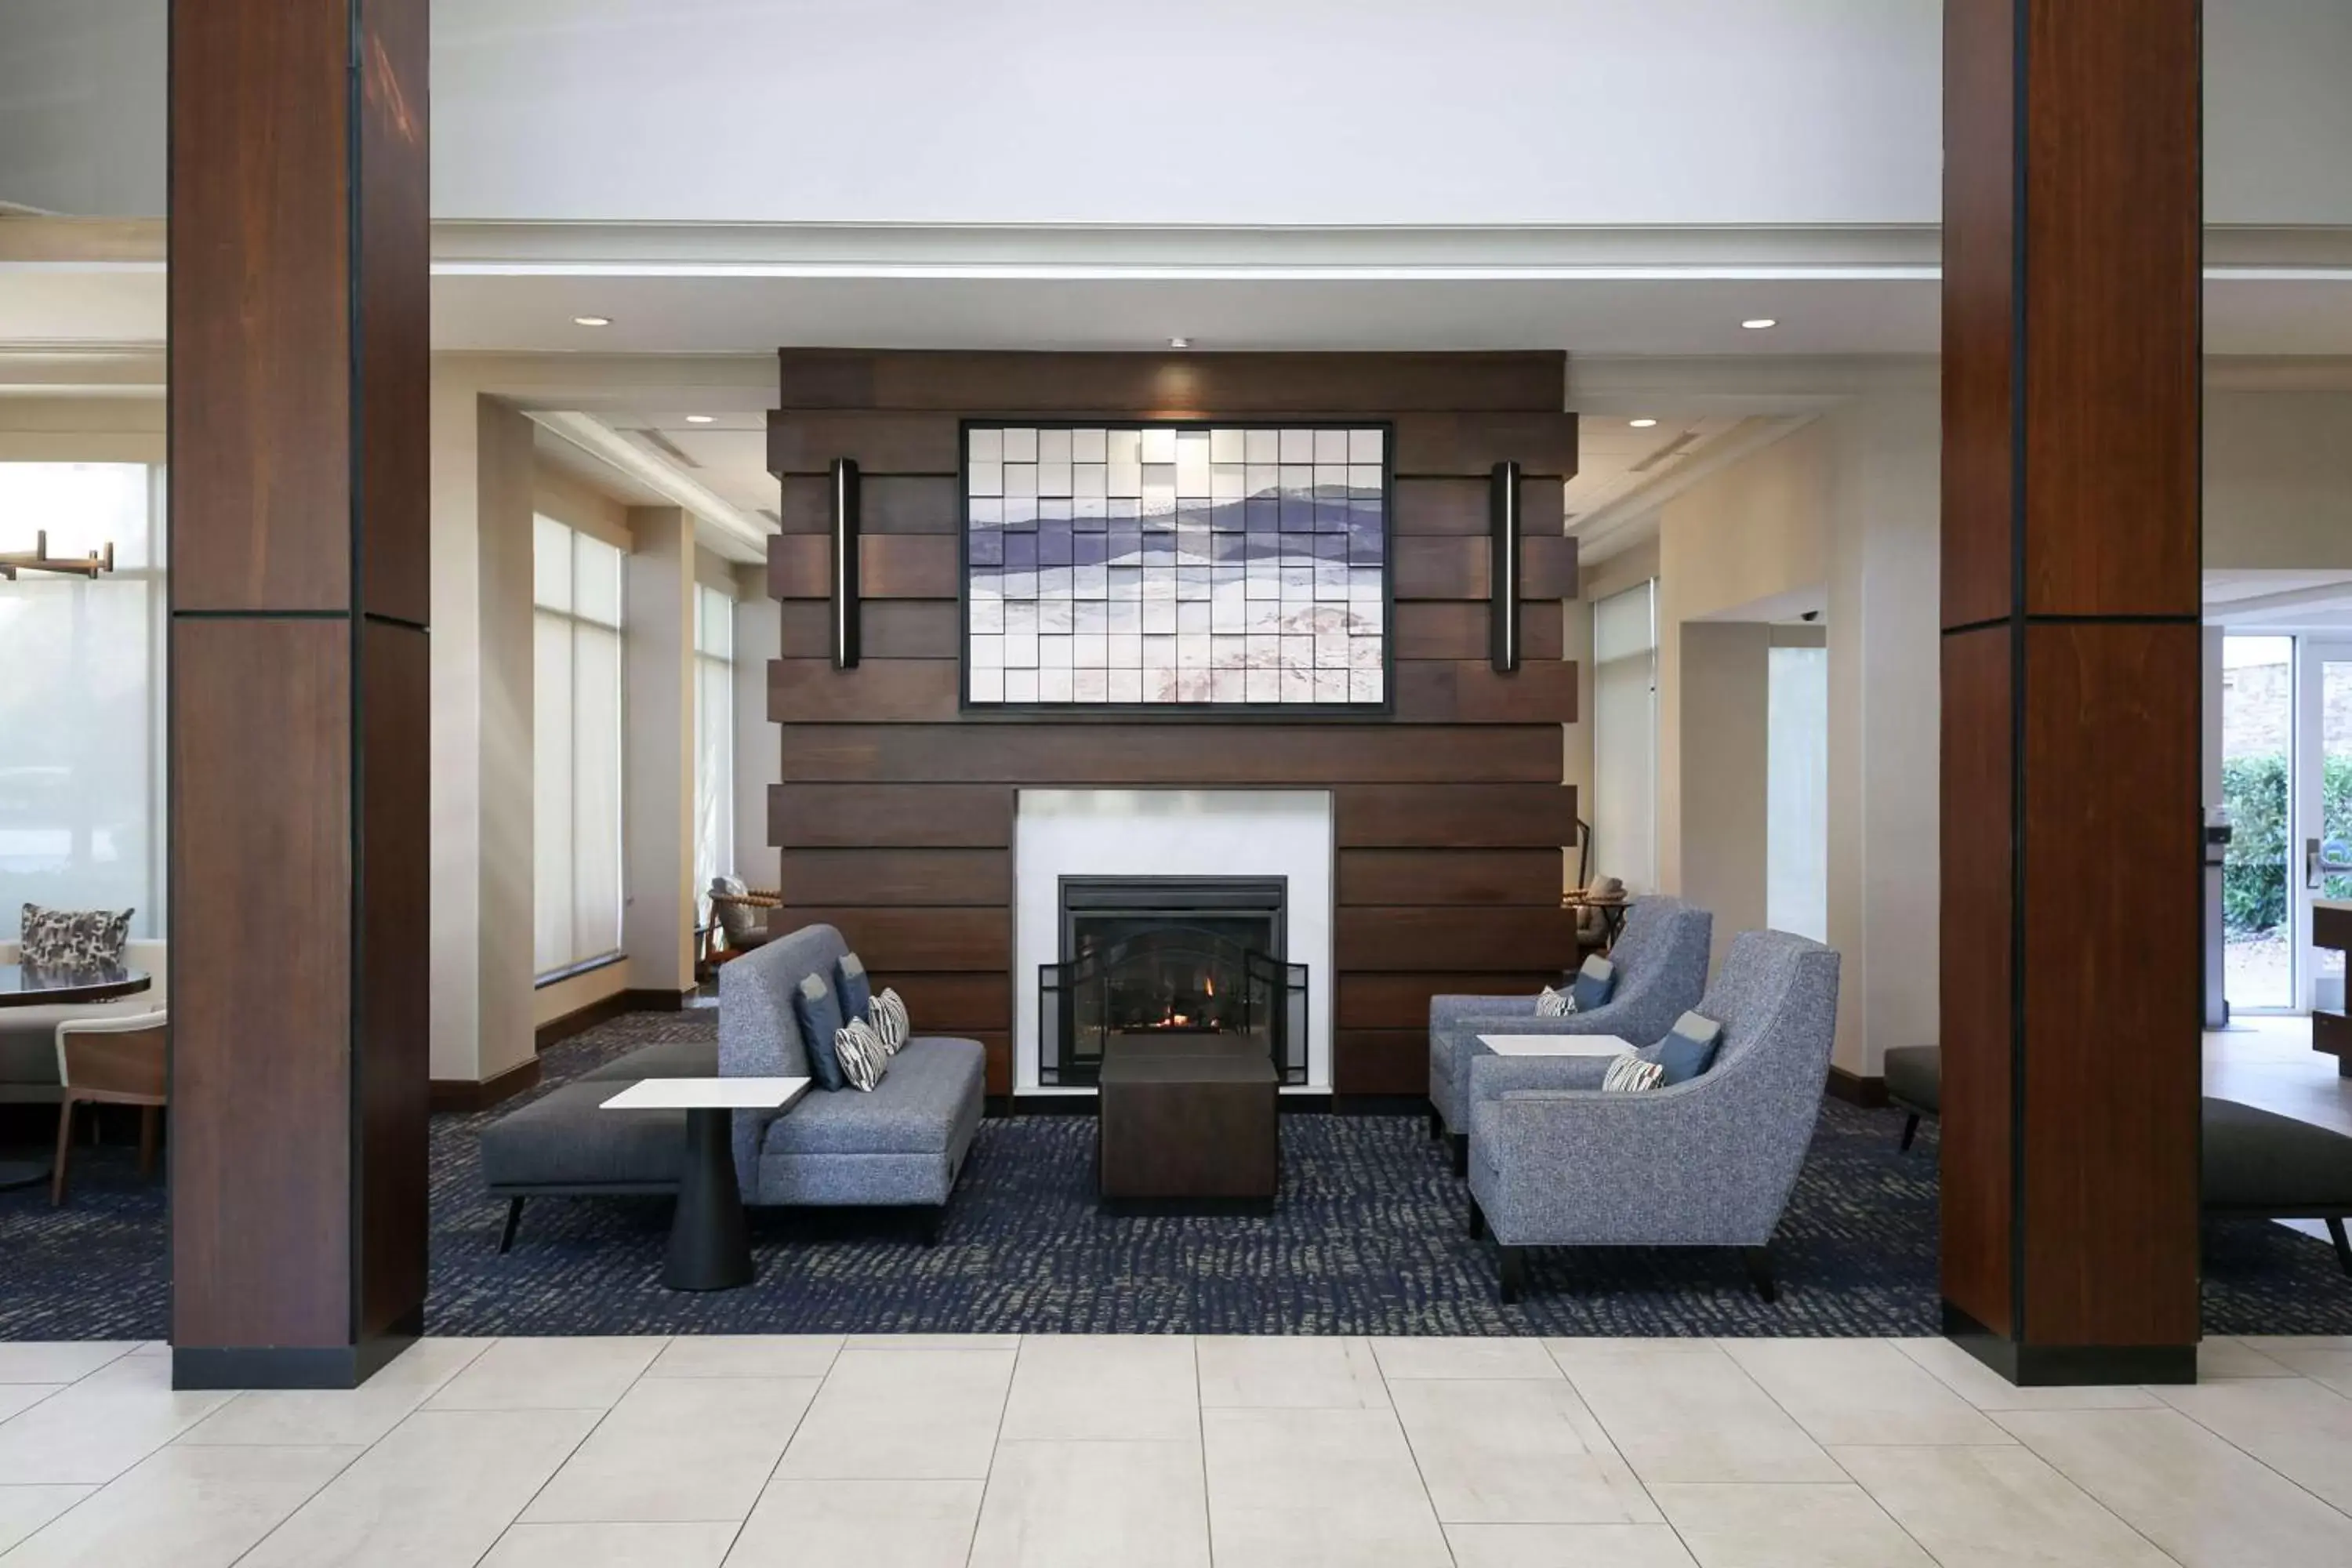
[[2260, 1163]]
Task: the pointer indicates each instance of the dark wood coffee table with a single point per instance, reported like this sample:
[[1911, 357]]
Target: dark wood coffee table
[[1188, 1122]]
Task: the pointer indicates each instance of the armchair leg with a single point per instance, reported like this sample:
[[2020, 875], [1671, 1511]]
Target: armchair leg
[[1511, 1272], [1436, 1125], [2343, 1246], [1758, 1261], [64, 1147], [934, 1224], [1460, 1153], [514, 1218], [150, 1124], [1910, 1130], [1477, 1220]]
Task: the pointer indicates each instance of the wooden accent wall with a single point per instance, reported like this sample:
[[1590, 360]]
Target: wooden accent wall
[[2071, 1034], [894, 810], [299, 706]]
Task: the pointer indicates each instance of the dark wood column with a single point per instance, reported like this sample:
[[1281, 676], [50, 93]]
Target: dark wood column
[[300, 732], [2071, 246]]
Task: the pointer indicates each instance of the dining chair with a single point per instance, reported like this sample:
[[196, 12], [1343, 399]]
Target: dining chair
[[120, 1059]]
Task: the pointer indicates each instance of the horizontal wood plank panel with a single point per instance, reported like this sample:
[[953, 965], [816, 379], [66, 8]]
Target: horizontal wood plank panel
[[886, 628], [1445, 568], [1185, 754], [808, 442], [1458, 507], [1455, 816], [933, 941], [882, 877], [1437, 445], [1056, 383], [1505, 940], [889, 566], [887, 503], [1479, 878], [967, 1003], [1402, 1001], [1380, 1061], [1438, 628], [925, 692], [907, 817]]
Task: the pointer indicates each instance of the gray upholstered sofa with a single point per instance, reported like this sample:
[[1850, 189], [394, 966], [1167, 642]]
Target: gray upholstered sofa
[[901, 1145], [1661, 960], [1556, 1161]]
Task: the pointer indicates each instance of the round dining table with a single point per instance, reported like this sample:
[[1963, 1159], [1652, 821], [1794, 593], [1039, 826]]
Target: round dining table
[[28, 985]]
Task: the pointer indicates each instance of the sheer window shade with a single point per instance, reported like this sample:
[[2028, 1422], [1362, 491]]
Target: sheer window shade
[[577, 736], [81, 769], [714, 737], [1625, 737]]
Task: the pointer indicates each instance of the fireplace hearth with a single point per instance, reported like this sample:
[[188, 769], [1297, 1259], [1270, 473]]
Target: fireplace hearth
[[1170, 958]]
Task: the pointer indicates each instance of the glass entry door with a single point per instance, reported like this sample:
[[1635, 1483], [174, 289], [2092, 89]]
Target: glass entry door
[[2323, 807]]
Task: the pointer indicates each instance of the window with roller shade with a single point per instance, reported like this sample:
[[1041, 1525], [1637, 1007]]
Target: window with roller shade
[[576, 677], [714, 739]]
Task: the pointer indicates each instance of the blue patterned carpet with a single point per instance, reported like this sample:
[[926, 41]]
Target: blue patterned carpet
[[1369, 1238]]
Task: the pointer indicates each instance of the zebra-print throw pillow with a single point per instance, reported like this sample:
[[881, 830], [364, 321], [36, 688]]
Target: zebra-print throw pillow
[[890, 1020], [1551, 1004], [860, 1050], [1630, 1073], [72, 939]]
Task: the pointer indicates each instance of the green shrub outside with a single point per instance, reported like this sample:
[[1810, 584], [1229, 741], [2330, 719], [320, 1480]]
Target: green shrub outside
[[2254, 872]]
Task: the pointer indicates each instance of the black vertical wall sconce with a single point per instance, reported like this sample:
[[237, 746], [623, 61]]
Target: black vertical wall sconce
[[845, 564], [1503, 571]]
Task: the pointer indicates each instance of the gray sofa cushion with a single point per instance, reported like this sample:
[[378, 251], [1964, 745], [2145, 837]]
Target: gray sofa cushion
[[671, 1058], [932, 1090], [564, 1140], [2258, 1159], [1915, 1075]]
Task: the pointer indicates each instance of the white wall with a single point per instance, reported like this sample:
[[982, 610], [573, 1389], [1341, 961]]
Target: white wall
[[657, 789], [1376, 112], [2278, 478]]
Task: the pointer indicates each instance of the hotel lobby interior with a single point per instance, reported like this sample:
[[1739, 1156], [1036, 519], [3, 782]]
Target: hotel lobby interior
[[1578, 792]]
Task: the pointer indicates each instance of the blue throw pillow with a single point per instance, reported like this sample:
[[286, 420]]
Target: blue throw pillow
[[1593, 982], [856, 989], [818, 1013], [1688, 1048]]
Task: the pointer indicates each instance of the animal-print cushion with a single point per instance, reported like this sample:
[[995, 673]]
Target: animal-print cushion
[[73, 939]]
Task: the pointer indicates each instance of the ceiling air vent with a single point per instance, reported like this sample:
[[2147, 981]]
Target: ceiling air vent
[[773, 515], [667, 448], [1677, 447]]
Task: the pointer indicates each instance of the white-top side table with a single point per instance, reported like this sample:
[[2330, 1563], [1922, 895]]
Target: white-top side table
[[709, 1244], [1555, 1045]]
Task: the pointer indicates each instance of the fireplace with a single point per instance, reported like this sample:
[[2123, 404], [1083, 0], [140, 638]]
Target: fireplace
[[1168, 958]]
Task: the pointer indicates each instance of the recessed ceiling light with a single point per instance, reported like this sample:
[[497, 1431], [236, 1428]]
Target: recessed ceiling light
[[1760, 324], [1641, 424], [591, 320], [700, 419], [1179, 343]]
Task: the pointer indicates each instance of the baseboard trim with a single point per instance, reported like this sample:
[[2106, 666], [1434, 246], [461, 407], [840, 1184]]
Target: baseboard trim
[[464, 1096], [281, 1366], [580, 1020], [656, 1001], [1855, 1090], [2031, 1365]]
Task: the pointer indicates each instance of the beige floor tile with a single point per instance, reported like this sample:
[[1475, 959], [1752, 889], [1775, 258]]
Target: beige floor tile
[[1317, 1489], [1830, 1525], [441, 1488], [1565, 1546], [1289, 1372], [1566, 1352], [2272, 1344], [2332, 1368], [58, 1360], [2194, 1495], [2222, 1356], [185, 1508], [931, 1342], [23, 1509], [1860, 1390], [747, 1355], [336, 1417], [101, 1427], [1079, 1504], [678, 1449], [860, 1524], [1987, 1507], [1070, 1387], [1681, 1415], [1482, 1358], [906, 1414], [2299, 1429], [612, 1546], [1515, 1452], [1986, 1389], [16, 1398], [549, 1375]]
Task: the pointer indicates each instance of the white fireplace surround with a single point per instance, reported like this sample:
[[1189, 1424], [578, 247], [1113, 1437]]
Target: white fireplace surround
[[1060, 832]]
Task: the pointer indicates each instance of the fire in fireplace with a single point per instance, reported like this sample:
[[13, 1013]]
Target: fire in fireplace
[[1167, 956]]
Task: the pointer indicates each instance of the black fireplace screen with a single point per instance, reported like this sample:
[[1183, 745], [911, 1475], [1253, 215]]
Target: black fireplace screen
[[1169, 956]]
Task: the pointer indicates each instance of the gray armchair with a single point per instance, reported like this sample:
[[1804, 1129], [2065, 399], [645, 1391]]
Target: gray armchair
[[1661, 961], [1556, 1161]]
